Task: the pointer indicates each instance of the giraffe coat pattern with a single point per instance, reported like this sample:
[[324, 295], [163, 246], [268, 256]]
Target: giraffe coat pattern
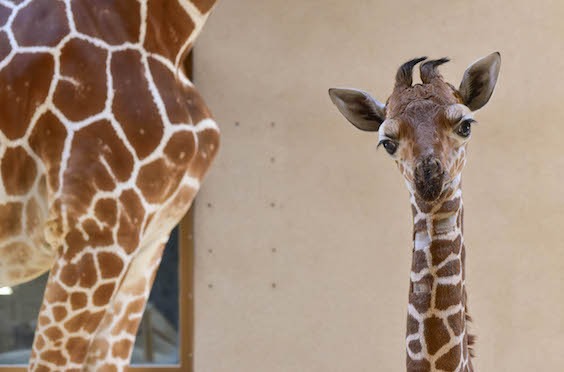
[[103, 144], [425, 128]]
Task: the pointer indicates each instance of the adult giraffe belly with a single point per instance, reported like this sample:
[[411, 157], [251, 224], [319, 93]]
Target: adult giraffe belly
[[24, 251]]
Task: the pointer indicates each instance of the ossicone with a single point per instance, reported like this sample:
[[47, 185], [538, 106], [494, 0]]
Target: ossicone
[[404, 76], [429, 71]]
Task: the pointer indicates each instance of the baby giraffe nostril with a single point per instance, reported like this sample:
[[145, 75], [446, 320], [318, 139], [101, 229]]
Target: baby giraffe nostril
[[428, 168]]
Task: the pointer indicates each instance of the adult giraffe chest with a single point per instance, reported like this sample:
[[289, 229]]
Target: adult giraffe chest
[[94, 105]]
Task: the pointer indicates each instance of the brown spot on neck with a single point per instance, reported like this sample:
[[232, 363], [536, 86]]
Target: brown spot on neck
[[449, 361]]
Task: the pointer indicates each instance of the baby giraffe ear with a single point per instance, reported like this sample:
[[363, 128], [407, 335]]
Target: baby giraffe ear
[[479, 81], [363, 111]]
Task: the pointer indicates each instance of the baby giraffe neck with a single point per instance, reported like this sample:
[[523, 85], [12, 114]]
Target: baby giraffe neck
[[437, 337]]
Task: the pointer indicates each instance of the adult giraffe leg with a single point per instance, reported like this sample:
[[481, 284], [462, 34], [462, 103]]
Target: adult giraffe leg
[[92, 258], [113, 343], [76, 299]]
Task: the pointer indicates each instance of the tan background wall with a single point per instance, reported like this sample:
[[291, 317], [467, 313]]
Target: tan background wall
[[303, 228]]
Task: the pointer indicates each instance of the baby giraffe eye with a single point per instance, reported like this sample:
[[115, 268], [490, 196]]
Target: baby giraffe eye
[[390, 146], [465, 128]]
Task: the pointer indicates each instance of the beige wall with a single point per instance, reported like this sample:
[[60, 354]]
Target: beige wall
[[340, 218]]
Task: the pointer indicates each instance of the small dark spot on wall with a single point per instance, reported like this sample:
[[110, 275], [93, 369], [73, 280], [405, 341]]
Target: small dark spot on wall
[[273, 204], [210, 251], [209, 205], [236, 123], [273, 250], [273, 285], [272, 159], [272, 124], [210, 285]]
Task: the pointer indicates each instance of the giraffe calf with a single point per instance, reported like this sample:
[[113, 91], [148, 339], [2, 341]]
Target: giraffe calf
[[425, 128]]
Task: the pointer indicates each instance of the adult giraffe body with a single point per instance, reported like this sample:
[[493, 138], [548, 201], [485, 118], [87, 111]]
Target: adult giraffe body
[[103, 144], [426, 128]]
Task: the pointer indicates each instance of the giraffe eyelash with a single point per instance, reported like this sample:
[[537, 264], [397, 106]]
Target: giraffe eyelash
[[465, 119], [391, 146], [463, 129]]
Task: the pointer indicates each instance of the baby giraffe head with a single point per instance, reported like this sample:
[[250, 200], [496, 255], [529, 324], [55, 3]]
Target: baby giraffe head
[[424, 127]]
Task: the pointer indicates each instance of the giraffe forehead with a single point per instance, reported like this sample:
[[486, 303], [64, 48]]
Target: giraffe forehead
[[420, 119], [440, 93], [423, 119]]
